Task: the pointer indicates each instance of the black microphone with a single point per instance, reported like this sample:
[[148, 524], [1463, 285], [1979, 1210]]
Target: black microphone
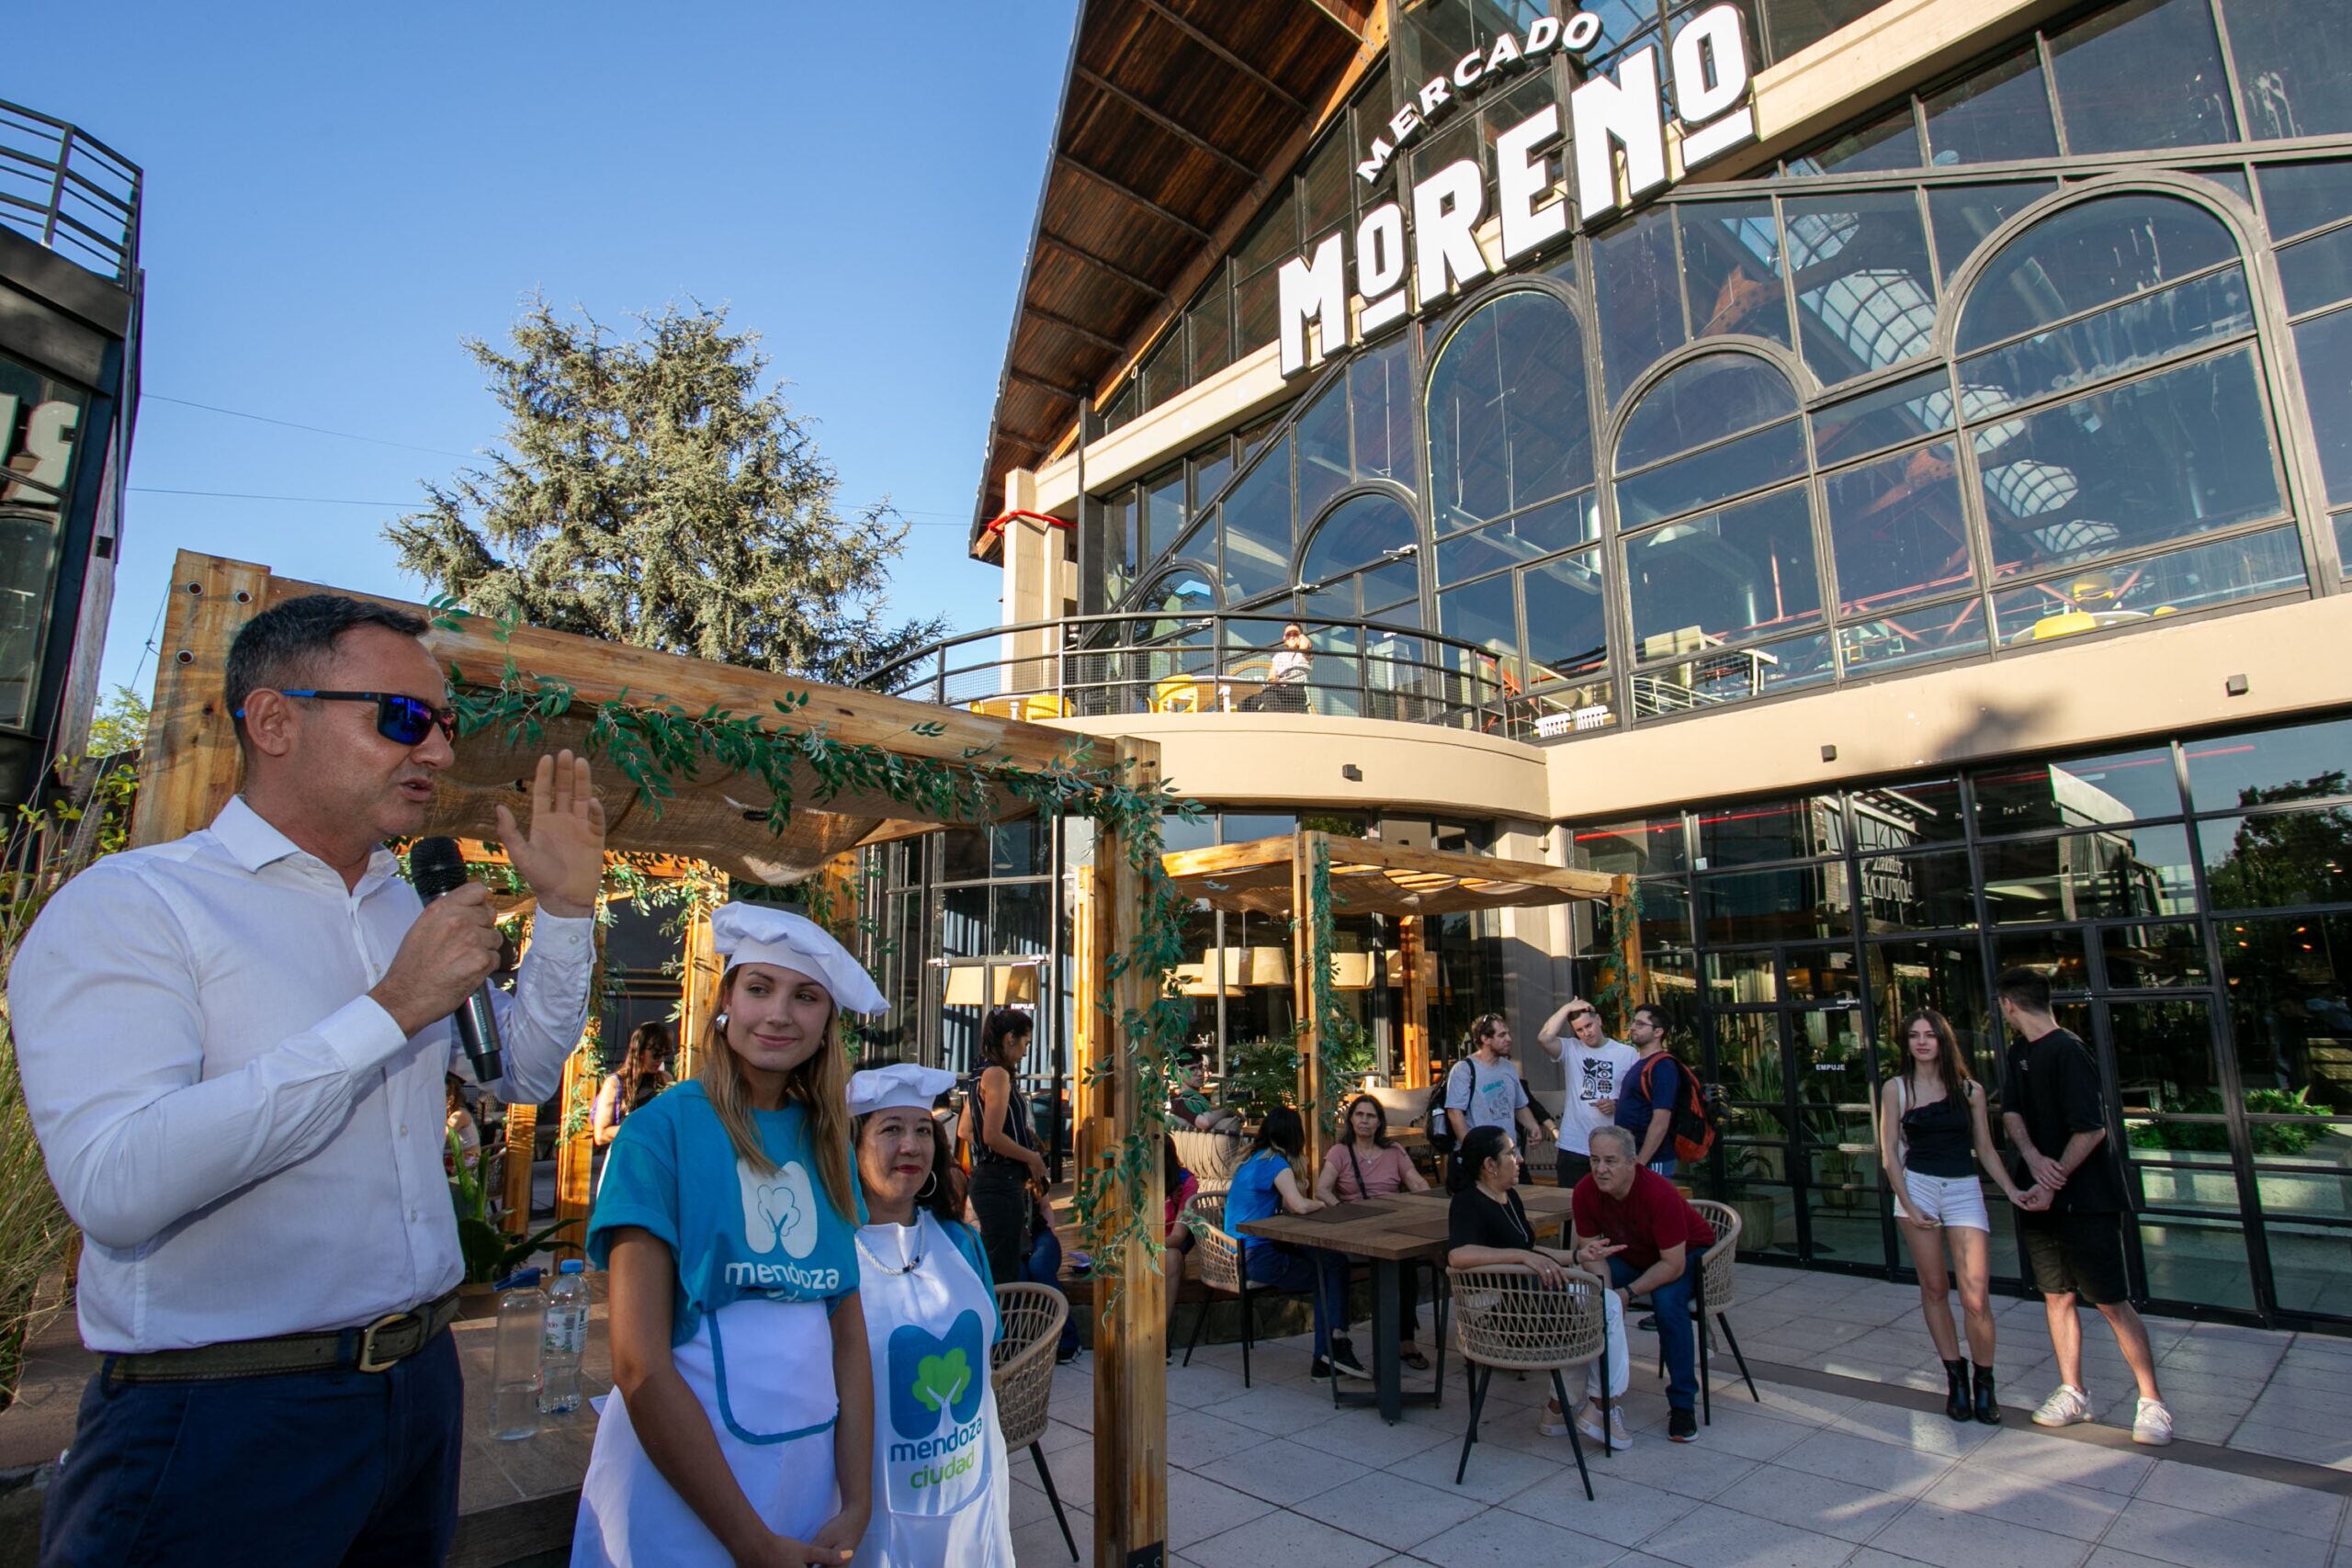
[[437, 866]]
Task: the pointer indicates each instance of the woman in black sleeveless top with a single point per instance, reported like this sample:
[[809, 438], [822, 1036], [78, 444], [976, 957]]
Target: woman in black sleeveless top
[[1933, 1134], [1006, 1165]]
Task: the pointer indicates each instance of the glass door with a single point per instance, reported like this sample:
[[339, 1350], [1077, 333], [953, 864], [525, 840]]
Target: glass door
[[1798, 1082], [1833, 1076]]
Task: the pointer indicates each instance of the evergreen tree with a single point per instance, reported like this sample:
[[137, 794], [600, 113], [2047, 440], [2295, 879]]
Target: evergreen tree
[[655, 495]]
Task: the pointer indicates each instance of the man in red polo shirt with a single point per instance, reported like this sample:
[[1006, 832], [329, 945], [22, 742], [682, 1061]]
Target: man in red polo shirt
[[1627, 1205]]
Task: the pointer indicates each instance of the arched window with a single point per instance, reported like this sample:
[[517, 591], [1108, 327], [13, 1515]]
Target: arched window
[[1360, 562], [1511, 468], [1716, 536], [2113, 394], [1509, 421]]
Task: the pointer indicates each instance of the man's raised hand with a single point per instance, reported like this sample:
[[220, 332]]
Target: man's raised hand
[[563, 856]]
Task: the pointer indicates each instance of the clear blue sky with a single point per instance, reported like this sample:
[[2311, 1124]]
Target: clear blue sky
[[337, 193]]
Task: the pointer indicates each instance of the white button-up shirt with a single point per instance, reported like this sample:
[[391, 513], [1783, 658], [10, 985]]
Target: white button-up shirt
[[249, 1145]]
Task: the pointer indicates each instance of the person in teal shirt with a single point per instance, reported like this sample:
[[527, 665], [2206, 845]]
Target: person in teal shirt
[[1265, 1184], [743, 1427]]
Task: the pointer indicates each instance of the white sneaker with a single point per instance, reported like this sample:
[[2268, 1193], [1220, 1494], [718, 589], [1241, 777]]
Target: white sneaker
[[2151, 1425], [2068, 1406], [1620, 1438], [1550, 1422]]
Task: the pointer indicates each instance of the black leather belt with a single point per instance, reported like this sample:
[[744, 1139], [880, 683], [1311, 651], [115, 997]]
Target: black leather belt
[[378, 1348]]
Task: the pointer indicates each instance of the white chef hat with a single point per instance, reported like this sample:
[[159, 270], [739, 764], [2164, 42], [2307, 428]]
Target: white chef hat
[[761, 933], [904, 1086]]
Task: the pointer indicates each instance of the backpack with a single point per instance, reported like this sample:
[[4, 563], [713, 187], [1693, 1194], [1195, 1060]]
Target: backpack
[[1692, 1123], [1433, 1119]]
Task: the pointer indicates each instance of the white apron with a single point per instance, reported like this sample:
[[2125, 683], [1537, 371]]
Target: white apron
[[941, 1482], [764, 1371]]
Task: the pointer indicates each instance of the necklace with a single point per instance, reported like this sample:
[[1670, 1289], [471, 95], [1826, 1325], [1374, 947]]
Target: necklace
[[911, 1264]]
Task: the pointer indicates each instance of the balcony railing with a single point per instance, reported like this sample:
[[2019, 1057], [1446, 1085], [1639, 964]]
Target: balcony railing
[[1215, 662], [70, 192]]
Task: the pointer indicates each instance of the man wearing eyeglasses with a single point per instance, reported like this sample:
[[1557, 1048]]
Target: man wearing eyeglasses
[[234, 1049], [1595, 1065]]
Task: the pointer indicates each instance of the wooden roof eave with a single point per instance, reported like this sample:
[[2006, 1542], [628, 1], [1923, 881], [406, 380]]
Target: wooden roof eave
[[1357, 45]]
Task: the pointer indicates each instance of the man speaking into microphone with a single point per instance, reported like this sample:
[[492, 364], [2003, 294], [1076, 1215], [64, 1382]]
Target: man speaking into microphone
[[232, 1048]]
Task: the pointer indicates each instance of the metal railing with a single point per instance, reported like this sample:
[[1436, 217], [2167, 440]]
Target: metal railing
[[1215, 661], [64, 187]]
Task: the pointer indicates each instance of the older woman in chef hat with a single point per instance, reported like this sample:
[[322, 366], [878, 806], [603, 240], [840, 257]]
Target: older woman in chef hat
[[728, 1218], [941, 1482]]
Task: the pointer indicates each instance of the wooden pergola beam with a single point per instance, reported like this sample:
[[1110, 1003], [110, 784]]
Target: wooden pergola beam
[[598, 672]]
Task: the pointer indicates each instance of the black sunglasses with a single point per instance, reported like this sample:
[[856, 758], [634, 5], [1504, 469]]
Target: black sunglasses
[[402, 720]]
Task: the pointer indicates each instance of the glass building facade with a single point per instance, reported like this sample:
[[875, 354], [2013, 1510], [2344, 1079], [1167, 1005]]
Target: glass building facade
[[2189, 899], [2051, 349]]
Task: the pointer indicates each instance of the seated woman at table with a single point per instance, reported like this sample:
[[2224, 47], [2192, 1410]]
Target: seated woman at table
[[1487, 1227], [1367, 1165], [1264, 1185]]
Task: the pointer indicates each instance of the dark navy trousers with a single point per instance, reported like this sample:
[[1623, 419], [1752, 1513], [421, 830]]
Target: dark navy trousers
[[305, 1470]]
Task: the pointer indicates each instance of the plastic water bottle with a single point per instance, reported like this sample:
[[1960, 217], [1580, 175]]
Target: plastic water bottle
[[514, 1369], [566, 1336]]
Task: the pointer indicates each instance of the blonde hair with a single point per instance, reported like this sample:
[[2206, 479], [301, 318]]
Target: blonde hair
[[820, 1083]]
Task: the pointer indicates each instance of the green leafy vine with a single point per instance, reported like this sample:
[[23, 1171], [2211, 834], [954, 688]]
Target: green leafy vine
[[654, 744], [1342, 1051]]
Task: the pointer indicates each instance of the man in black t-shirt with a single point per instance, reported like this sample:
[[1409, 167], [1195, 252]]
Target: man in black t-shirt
[[2073, 1218]]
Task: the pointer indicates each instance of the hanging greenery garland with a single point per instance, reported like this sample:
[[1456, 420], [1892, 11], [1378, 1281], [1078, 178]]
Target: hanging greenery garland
[[654, 746], [1341, 1052]]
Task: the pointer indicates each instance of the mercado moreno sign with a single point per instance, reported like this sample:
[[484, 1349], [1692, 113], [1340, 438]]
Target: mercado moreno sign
[[1400, 268]]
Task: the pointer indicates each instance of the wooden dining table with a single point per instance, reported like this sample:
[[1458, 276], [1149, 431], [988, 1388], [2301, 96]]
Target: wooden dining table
[[1402, 1228]]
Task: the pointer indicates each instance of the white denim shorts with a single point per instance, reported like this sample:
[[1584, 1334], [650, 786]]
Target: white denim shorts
[[1950, 1200]]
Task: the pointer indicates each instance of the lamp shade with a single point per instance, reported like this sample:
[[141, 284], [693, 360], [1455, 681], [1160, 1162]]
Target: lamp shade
[[1198, 979], [1016, 983], [966, 986], [1268, 966], [1352, 971]]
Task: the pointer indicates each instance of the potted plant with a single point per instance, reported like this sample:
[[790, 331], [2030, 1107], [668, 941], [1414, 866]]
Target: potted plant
[[490, 1253]]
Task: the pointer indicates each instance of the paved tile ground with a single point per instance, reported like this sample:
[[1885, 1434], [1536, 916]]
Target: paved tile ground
[[1806, 1479]]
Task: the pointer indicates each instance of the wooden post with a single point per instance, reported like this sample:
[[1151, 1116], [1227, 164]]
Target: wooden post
[[697, 992], [1089, 1045], [1130, 1369], [522, 1142], [1628, 957], [1304, 955], [575, 1142], [1412, 952], [575, 1150], [189, 766]]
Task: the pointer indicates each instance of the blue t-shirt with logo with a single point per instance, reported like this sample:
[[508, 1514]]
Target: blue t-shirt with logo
[[735, 1231]]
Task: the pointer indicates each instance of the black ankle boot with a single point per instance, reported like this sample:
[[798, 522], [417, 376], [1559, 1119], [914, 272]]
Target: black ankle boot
[[1988, 1409], [1956, 1402]]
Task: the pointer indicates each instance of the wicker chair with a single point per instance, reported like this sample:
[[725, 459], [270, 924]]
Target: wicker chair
[[1021, 1365], [1218, 1252], [1504, 1317], [1712, 1296]]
